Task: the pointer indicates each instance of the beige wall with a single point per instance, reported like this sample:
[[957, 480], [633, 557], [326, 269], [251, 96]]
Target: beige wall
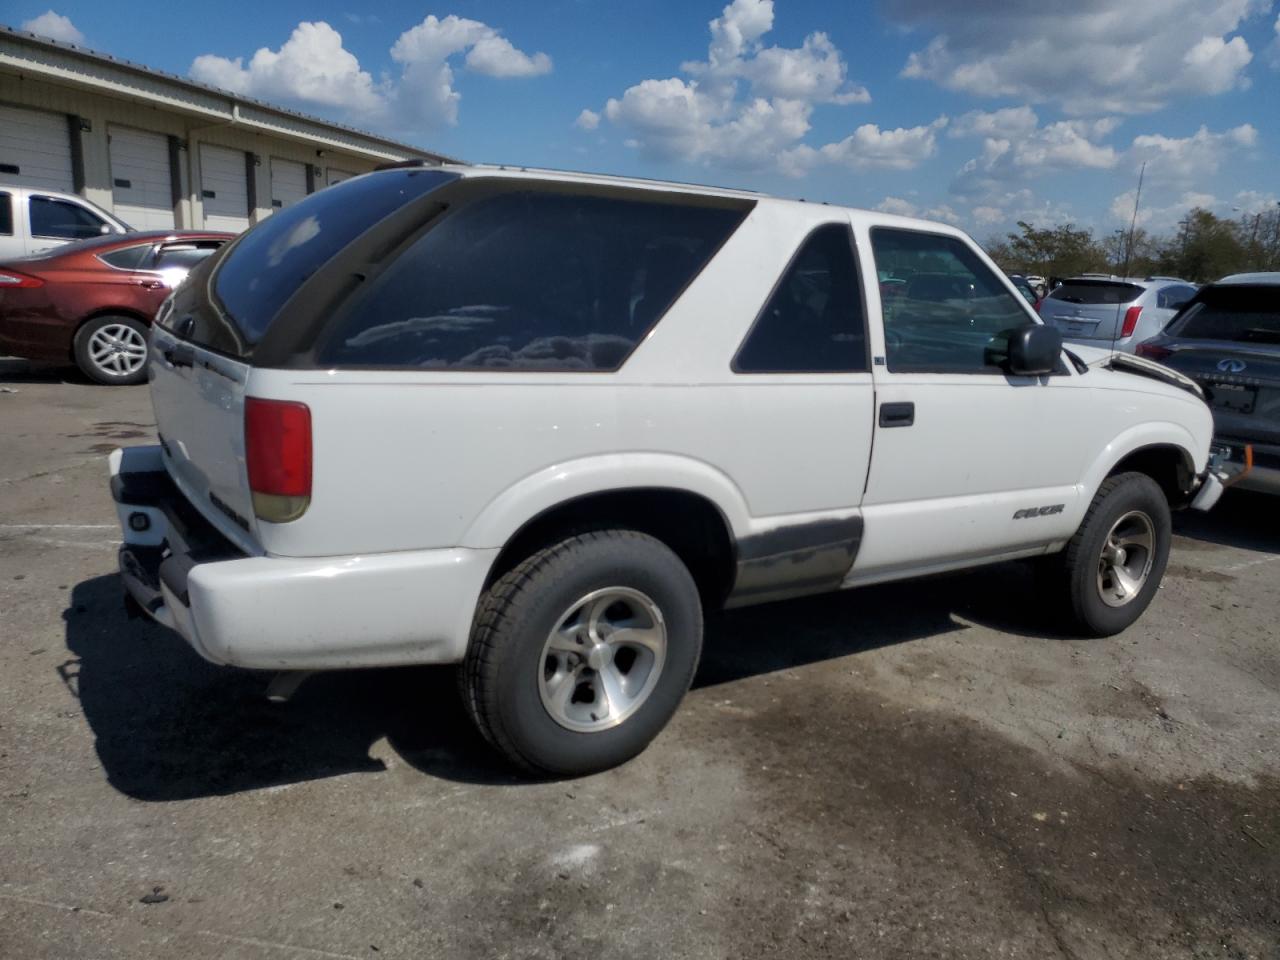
[[101, 111]]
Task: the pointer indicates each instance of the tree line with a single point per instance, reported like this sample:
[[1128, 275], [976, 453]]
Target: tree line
[[1205, 247]]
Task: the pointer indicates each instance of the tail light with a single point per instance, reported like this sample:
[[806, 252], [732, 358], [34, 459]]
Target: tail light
[[1153, 351], [277, 451], [11, 279], [1130, 322]]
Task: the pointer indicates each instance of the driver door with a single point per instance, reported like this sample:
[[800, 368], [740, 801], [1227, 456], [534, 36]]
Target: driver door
[[968, 462]]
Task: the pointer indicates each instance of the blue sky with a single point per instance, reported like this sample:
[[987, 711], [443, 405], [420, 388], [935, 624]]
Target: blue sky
[[980, 113]]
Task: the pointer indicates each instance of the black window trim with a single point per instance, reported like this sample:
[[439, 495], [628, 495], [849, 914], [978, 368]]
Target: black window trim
[[476, 189], [777, 283], [5, 195], [1063, 367], [71, 203]]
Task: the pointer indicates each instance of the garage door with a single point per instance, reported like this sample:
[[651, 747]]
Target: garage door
[[141, 185], [288, 183], [35, 149], [223, 188], [337, 176]]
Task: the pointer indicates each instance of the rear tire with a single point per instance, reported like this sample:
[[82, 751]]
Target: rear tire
[[581, 654], [113, 350], [1111, 569]]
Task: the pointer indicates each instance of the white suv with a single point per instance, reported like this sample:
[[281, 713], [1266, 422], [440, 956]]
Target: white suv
[[538, 423]]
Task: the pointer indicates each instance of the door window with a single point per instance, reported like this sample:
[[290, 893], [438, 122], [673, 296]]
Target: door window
[[63, 220], [6, 215], [183, 256], [813, 322], [949, 313]]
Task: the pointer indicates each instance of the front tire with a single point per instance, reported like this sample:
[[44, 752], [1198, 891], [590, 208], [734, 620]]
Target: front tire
[[581, 654], [113, 350], [1112, 567]]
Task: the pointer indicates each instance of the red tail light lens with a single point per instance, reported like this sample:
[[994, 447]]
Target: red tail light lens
[[1130, 322], [10, 280], [1153, 351], [277, 449]]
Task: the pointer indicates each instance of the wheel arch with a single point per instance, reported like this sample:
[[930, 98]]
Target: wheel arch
[[688, 523], [1170, 464]]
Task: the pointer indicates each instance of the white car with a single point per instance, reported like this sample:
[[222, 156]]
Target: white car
[[32, 221], [537, 424]]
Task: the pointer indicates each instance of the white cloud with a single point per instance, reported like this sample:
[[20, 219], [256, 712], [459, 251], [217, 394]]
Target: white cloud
[[1189, 159], [1026, 154], [314, 68], [311, 67], [54, 26], [1273, 51], [905, 208], [1005, 123], [587, 120], [1093, 56], [747, 105], [1159, 217], [869, 148], [1250, 202]]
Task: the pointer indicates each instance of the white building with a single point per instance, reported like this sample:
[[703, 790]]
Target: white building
[[161, 151]]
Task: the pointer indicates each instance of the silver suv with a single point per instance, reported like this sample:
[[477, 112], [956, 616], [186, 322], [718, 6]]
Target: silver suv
[[1100, 310]]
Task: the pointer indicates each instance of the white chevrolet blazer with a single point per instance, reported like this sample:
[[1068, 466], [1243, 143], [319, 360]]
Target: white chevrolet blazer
[[536, 424]]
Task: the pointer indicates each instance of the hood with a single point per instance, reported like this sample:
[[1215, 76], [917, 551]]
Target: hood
[[1131, 363]]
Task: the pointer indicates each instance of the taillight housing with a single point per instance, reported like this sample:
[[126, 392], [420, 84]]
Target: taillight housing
[[1153, 351], [11, 279], [1130, 322], [277, 453]]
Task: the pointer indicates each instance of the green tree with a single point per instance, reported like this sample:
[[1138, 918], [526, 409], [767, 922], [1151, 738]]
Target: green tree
[[1060, 251], [1207, 248]]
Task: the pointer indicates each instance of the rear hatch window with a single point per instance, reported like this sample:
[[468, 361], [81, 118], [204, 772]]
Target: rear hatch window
[[259, 271], [1095, 292], [1249, 314]]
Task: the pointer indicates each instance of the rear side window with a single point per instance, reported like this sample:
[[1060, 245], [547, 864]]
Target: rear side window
[[63, 220], [266, 265], [1173, 298], [813, 322], [531, 280], [127, 258], [6, 215], [1249, 314], [1096, 292]]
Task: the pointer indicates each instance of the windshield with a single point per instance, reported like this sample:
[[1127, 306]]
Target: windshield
[[1096, 292], [268, 264], [1240, 313]]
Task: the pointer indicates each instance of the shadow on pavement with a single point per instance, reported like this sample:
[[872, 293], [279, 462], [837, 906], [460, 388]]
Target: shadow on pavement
[[17, 372], [169, 726], [1242, 518]]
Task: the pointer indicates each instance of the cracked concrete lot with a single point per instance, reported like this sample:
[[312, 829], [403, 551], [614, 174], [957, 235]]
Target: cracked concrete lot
[[922, 769]]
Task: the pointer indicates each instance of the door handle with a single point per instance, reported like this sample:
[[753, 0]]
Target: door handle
[[179, 355], [897, 414], [151, 284]]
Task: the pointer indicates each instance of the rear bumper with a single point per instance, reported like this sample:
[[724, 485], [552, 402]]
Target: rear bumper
[[286, 613]]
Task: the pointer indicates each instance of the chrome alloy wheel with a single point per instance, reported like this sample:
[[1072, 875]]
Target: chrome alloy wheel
[[602, 659], [1127, 556], [117, 350]]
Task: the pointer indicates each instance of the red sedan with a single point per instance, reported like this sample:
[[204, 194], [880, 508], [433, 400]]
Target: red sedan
[[92, 302]]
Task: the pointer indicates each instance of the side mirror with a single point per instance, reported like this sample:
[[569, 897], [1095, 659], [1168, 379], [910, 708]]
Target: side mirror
[[1034, 350]]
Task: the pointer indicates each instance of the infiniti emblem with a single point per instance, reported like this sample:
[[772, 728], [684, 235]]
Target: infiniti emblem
[[1231, 366]]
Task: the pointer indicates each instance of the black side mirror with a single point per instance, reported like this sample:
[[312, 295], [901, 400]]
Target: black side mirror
[[1034, 350]]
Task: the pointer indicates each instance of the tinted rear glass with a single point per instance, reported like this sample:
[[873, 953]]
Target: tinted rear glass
[[266, 266], [531, 280], [127, 258], [1243, 313], [1096, 292]]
